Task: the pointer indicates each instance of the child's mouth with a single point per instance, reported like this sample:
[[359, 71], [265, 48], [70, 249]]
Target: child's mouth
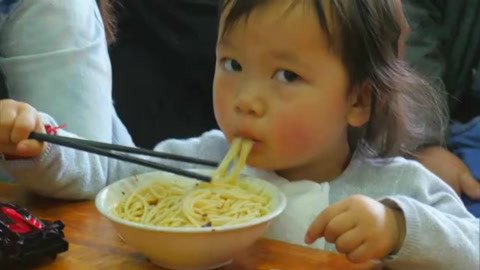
[[256, 145], [256, 142]]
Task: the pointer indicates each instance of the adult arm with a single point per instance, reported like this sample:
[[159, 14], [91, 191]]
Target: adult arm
[[54, 56]]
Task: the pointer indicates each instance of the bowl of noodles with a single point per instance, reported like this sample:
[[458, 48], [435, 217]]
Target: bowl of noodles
[[182, 223]]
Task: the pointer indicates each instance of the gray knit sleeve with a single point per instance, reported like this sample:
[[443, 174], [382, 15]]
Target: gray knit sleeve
[[440, 232]]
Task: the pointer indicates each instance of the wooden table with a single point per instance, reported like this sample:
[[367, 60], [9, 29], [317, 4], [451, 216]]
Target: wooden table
[[94, 243]]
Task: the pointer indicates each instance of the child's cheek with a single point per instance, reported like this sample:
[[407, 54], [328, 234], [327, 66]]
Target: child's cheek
[[220, 106], [293, 135]]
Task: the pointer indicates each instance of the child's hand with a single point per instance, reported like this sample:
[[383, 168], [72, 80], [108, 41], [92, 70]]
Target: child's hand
[[360, 227], [17, 120]]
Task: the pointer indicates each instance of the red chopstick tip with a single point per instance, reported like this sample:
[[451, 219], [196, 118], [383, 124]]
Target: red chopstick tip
[[53, 130]]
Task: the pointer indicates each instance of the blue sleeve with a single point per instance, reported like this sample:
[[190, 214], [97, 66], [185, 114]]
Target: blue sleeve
[[464, 141], [6, 6], [54, 56]]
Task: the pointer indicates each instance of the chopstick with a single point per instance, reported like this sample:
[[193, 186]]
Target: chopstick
[[106, 149], [126, 149]]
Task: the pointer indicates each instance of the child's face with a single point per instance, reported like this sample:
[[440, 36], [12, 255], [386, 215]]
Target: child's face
[[277, 83]]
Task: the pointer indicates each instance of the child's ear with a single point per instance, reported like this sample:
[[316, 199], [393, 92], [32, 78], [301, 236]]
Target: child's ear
[[360, 100]]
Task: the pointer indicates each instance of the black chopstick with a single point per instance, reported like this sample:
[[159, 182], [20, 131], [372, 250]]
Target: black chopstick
[[133, 150], [104, 151]]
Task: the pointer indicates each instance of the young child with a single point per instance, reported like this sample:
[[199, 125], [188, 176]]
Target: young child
[[319, 86]]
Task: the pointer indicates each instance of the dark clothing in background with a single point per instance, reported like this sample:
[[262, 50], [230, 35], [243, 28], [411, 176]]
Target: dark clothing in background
[[163, 66], [445, 45]]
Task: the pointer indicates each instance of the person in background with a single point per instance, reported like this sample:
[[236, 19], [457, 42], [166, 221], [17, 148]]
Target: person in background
[[444, 45], [54, 56], [164, 54]]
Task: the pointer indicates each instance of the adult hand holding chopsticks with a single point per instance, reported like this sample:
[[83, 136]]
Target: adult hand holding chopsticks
[[17, 121]]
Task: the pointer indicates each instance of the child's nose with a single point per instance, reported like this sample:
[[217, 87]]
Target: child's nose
[[251, 106]]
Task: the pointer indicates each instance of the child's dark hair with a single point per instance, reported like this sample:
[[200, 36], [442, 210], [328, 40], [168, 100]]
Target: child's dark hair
[[407, 111]]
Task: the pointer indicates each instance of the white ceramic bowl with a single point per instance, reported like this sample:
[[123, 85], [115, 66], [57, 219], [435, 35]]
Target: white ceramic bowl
[[184, 248]]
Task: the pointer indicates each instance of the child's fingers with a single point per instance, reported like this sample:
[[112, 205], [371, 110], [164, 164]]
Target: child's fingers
[[30, 148], [25, 123], [17, 120], [349, 241], [7, 118], [39, 126], [317, 228], [361, 254], [339, 225], [9, 149]]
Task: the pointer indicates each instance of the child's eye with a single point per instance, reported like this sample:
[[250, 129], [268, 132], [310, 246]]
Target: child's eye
[[286, 76], [231, 65]]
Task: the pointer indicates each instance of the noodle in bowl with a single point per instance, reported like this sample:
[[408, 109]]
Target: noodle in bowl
[[187, 246]]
